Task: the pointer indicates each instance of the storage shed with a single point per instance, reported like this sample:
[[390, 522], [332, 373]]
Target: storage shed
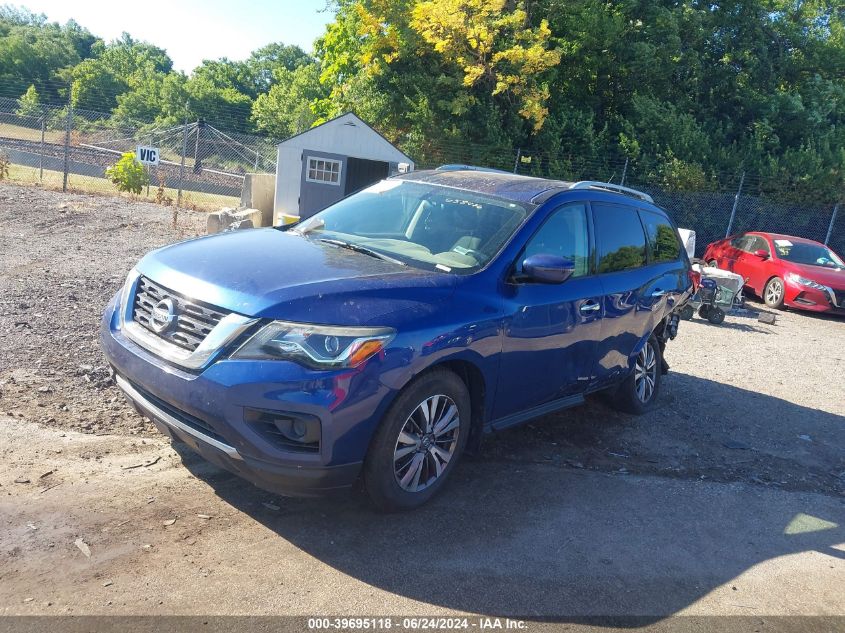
[[330, 161]]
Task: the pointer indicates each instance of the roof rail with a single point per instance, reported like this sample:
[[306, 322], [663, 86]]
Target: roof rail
[[456, 167], [607, 186]]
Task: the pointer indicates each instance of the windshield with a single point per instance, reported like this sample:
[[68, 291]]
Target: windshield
[[427, 226], [806, 253]]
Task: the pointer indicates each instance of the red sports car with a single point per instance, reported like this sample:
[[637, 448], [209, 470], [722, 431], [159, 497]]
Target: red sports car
[[784, 270]]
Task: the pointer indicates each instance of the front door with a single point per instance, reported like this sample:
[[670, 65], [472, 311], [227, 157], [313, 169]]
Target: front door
[[551, 330], [753, 268]]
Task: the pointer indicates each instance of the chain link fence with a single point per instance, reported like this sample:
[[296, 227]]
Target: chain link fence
[[203, 167], [199, 166]]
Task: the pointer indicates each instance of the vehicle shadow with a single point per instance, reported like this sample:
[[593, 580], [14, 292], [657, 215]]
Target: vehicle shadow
[[756, 305], [514, 537]]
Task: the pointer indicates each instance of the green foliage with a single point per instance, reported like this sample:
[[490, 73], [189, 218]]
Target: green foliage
[[264, 62], [35, 52], [128, 174], [623, 258], [687, 91], [286, 109], [29, 105]]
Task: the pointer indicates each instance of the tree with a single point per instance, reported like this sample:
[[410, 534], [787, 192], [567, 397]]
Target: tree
[[288, 107], [33, 52], [29, 105], [265, 61], [495, 48], [225, 74], [96, 86]]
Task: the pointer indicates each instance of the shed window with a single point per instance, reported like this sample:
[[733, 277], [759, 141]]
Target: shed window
[[323, 170]]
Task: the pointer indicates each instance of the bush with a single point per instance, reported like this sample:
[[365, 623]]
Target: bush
[[128, 174]]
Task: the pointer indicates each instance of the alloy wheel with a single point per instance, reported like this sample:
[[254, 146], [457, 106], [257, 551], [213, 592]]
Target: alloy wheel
[[774, 292], [426, 443], [645, 373]]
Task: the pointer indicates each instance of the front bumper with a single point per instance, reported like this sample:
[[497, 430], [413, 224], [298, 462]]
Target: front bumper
[[206, 411], [274, 477], [804, 297]]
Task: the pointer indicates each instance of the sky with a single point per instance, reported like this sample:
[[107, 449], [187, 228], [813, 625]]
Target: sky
[[193, 30]]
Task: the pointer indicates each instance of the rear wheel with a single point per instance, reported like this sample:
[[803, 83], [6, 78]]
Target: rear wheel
[[687, 312], [773, 293], [638, 393], [419, 442]]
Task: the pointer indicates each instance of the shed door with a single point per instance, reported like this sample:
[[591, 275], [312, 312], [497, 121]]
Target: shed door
[[361, 173], [323, 182]]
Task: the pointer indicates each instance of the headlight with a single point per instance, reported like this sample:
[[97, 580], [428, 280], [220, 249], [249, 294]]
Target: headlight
[[316, 346], [805, 282]]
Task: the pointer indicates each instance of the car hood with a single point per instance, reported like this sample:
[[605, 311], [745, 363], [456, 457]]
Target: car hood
[[833, 277], [273, 274]]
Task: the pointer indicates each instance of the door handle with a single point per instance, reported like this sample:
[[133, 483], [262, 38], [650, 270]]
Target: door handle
[[589, 306]]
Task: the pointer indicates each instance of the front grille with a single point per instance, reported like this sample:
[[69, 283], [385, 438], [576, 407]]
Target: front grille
[[193, 322]]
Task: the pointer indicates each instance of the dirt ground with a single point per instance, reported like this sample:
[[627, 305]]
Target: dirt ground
[[748, 410]]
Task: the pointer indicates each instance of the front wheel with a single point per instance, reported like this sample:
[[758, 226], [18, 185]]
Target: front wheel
[[773, 293], [420, 440], [638, 393], [716, 316]]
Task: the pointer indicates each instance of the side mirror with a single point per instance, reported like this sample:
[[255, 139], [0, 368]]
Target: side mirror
[[762, 254], [548, 269]]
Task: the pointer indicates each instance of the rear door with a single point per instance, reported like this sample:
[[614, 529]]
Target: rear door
[[552, 330], [732, 257], [633, 291], [668, 264]]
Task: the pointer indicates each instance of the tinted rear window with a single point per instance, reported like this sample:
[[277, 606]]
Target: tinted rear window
[[663, 243], [620, 238]]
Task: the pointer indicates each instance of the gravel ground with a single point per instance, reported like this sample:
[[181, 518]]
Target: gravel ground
[[744, 401], [62, 257]]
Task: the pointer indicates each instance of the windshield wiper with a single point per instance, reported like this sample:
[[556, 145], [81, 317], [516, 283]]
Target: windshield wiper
[[361, 249]]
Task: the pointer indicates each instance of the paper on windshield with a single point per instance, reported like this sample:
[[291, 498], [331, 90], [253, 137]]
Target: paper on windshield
[[783, 243]]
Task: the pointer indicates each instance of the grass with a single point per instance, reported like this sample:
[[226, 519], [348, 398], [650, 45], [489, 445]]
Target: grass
[[86, 184], [24, 133]]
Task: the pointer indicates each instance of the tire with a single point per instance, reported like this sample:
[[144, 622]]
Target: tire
[[716, 316], [686, 313], [704, 310], [422, 468], [628, 396], [774, 292]]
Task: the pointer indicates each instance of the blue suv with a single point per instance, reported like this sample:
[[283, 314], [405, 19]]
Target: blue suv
[[378, 339]]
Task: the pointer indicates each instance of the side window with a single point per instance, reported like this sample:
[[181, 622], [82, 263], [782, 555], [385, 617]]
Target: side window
[[563, 234], [739, 242], [757, 243], [619, 238], [663, 243]]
